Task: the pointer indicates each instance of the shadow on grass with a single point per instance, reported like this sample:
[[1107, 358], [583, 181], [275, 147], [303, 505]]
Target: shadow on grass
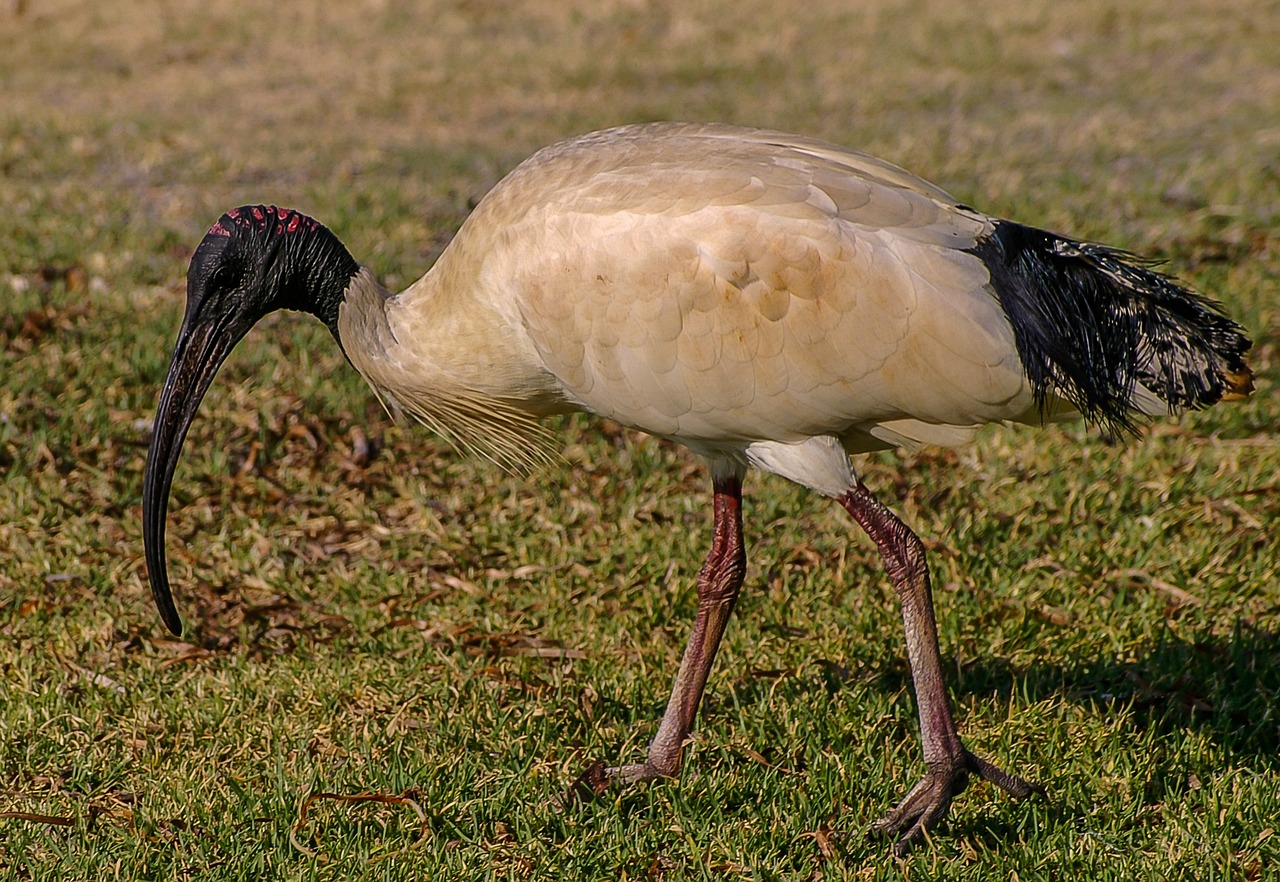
[[1228, 688]]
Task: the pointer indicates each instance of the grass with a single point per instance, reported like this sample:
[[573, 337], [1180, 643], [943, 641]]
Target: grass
[[408, 623]]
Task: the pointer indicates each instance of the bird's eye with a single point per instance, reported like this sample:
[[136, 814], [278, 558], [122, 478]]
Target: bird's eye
[[223, 276]]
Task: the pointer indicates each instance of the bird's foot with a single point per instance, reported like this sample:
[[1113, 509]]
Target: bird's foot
[[928, 801], [597, 778]]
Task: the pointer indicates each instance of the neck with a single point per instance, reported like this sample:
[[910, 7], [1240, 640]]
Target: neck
[[426, 358], [318, 269]]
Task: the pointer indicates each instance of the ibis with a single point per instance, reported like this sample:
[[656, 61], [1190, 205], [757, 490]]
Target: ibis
[[767, 300]]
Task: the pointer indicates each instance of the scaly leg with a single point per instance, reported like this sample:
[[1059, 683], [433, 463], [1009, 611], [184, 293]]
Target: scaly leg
[[719, 581], [947, 761]]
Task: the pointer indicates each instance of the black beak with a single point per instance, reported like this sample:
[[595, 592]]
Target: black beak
[[203, 345]]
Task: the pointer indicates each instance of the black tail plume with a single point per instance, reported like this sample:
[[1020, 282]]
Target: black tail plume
[[1092, 323]]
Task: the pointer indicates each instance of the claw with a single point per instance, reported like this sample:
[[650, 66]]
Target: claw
[[928, 802], [597, 778]]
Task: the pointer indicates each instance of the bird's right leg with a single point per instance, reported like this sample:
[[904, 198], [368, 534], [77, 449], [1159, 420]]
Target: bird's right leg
[[719, 581], [948, 762]]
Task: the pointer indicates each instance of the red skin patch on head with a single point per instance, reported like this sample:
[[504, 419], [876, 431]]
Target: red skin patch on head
[[261, 217]]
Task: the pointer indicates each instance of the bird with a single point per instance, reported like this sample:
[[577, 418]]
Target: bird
[[769, 301]]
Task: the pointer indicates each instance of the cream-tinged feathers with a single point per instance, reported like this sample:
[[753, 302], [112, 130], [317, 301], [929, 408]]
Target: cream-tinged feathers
[[721, 286], [486, 403]]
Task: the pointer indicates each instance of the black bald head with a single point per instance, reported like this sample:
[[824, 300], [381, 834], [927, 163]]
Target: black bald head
[[260, 258], [254, 260]]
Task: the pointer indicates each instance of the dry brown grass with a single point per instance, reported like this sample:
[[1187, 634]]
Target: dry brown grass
[[177, 101]]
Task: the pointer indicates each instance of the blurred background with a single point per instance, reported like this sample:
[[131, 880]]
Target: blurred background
[[1143, 121]]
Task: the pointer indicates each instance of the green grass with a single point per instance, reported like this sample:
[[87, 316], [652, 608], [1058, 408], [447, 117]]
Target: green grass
[[417, 624]]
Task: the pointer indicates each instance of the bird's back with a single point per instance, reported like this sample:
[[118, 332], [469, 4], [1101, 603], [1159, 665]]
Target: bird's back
[[724, 286], [717, 284]]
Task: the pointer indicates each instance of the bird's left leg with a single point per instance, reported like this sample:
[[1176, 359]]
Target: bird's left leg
[[719, 581], [948, 763]]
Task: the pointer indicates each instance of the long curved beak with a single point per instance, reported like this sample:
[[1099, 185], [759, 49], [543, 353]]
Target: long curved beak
[[203, 345]]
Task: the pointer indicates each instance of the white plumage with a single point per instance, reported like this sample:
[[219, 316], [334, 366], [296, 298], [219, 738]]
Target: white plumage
[[757, 292]]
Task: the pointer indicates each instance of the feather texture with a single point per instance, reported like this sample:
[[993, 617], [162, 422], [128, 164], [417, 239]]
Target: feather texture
[[727, 288], [1101, 329]]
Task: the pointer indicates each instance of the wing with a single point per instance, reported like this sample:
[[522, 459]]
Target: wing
[[718, 284]]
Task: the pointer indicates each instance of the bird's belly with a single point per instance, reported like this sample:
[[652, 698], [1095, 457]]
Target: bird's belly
[[790, 402], [711, 385]]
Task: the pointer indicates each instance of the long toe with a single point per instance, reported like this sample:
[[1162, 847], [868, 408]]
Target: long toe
[[593, 781], [926, 805], [929, 801], [597, 778], [1012, 784]]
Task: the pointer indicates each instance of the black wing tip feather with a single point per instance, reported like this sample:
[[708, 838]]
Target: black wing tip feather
[[1093, 322]]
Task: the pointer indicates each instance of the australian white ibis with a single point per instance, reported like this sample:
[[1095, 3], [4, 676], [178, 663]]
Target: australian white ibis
[[766, 300]]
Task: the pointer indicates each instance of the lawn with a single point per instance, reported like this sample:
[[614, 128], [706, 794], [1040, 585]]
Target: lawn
[[371, 614]]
